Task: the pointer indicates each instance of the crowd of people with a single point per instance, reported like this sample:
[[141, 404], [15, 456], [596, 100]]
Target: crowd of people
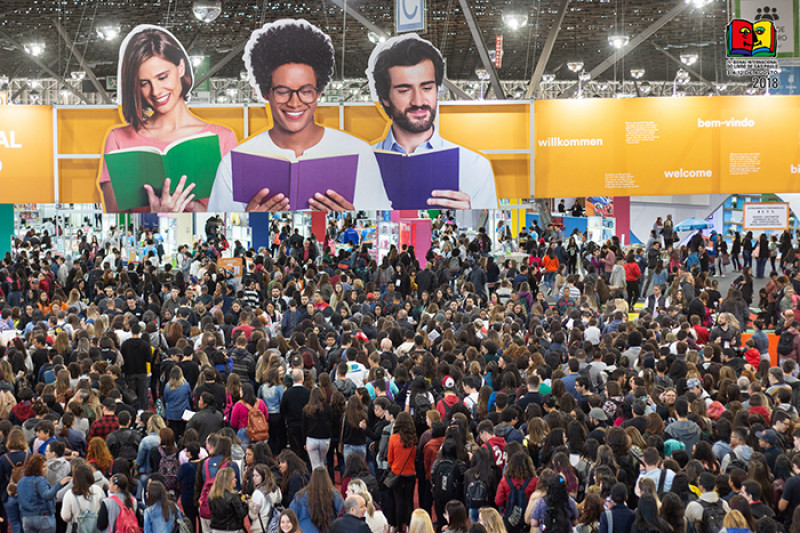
[[588, 388]]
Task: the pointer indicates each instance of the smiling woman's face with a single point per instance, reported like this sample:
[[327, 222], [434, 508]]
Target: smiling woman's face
[[160, 83]]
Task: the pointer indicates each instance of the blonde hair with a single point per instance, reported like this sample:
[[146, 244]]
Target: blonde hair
[[222, 483], [420, 522], [155, 424], [360, 488], [491, 520], [175, 378], [734, 518]]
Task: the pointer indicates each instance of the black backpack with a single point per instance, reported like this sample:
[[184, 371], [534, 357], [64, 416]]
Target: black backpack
[[477, 493], [445, 486], [786, 342], [555, 520], [514, 510], [422, 404], [735, 463], [129, 445], [713, 514]]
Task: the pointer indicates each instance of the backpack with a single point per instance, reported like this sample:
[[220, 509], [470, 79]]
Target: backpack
[[168, 467], [86, 521], [713, 513], [257, 428], [786, 342], [735, 463], [555, 519], [515, 507], [128, 448], [422, 404], [444, 481], [477, 494], [126, 520], [204, 509], [181, 524], [274, 518], [16, 468]]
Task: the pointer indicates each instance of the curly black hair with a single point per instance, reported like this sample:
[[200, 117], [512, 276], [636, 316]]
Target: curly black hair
[[405, 53], [292, 43]]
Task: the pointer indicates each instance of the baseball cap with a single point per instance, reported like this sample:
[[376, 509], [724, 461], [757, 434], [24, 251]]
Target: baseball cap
[[448, 382], [693, 382], [769, 435], [598, 414]]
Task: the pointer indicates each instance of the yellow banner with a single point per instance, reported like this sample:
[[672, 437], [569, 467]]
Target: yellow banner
[[26, 154], [657, 146]]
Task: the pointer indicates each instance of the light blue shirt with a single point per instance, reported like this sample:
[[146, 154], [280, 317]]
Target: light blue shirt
[[476, 177]]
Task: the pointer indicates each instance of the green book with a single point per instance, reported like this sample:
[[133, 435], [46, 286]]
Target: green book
[[196, 157]]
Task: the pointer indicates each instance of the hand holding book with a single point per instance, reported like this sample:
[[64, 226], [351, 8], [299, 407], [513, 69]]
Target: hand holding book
[[449, 199], [330, 201], [262, 201], [178, 202]]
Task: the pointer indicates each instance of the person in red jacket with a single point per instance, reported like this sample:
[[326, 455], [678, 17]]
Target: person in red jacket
[[519, 473], [495, 445], [752, 355], [450, 397], [632, 276]]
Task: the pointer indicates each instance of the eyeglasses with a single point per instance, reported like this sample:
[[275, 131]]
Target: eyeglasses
[[307, 94]]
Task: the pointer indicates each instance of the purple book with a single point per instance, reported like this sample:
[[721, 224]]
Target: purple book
[[410, 179], [296, 179]]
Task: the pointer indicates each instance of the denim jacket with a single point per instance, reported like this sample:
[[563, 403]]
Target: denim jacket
[[154, 521], [143, 457], [36, 497]]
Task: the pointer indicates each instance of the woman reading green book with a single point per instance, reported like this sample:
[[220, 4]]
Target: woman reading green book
[[155, 79]]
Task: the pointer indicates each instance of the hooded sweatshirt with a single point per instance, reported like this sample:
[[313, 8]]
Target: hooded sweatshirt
[[498, 446], [685, 431], [742, 452], [446, 403], [508, 432]]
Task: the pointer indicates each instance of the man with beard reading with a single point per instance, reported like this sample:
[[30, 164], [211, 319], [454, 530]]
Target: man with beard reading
[[405, 74]]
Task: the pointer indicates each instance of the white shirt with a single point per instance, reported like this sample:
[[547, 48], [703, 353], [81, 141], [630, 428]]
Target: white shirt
[[369, 192], [476, 177], [357, 373]]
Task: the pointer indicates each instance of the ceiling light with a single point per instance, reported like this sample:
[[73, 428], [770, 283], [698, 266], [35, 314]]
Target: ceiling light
[[233, 92], [108, 33], [375, 38], [207, 10], [645, 88], [575, 66], [637, 73], [515, 17], [196, 60], [603, 85], [36, 84], [243, 75], [548, 78], [679, 94], [221, 98], [720, 87], [699, 4], [482, 73], [64, 94], [618, 40], [689, 59], [584, 76], [78, 75], [3, 80], [34, 96], [35, 48]]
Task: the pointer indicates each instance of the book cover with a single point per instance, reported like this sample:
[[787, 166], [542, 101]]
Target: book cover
[[410, 179], [299, 179], [196, 157]]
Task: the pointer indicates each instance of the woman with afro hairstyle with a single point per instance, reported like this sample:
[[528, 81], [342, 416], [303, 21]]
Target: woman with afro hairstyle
[[289, 63]]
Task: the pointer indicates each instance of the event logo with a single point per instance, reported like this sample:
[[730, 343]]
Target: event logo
[[752, 39]]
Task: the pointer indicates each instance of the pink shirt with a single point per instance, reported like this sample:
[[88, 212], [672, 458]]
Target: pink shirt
[[240, 412], [127, 137]]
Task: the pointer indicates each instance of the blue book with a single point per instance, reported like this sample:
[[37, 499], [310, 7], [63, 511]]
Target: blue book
[[409, 180]]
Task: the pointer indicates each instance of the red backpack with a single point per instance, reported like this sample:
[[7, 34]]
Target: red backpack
[[126, 521], [208, 481]]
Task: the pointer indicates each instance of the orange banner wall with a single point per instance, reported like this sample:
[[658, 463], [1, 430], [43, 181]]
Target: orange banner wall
[[500, 130], [26, 154], [655, 146]]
